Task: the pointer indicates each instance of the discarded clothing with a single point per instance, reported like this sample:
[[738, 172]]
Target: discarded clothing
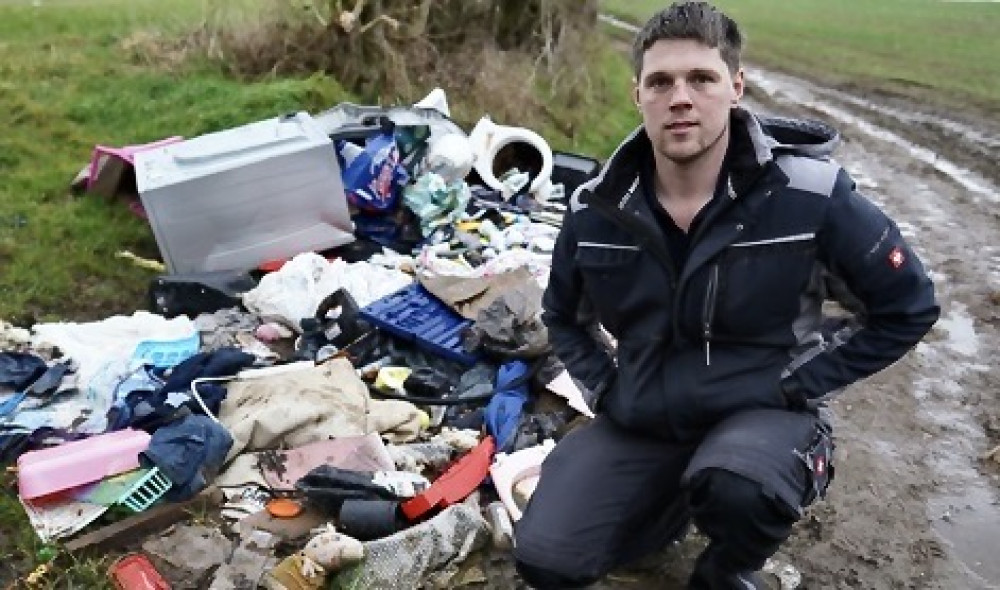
[[92, 345], [18, 370], [503, 413], [148, 409], [190, 453]]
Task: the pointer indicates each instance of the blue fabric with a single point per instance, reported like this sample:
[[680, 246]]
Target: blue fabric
[[19, 369], [147, 410], [190, 453], [503, 413]]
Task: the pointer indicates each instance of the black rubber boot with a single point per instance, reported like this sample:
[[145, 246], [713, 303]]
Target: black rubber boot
[[711, 574]]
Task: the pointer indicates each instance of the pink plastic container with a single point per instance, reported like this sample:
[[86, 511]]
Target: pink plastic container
[[75, 463]]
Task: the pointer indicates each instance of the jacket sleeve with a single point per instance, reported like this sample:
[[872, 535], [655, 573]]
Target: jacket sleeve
[[573, 329], [864, 250]]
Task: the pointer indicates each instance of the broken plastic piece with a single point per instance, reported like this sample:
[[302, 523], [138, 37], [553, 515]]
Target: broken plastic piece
[[414, 314], [284, 508], [509, 470], [136, 572], [455, 484], [146, 491], [75, 463]]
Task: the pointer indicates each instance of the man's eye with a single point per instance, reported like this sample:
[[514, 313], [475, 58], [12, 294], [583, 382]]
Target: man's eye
[[659, 83], [701, 79]]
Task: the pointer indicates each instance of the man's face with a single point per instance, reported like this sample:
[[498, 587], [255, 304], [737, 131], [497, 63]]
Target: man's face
[[685, 92]]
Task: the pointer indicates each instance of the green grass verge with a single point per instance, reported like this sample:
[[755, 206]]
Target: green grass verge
[[942, 53], [66, 84]]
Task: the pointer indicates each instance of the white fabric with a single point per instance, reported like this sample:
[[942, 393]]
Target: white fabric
[[295, 291], [93, 345]]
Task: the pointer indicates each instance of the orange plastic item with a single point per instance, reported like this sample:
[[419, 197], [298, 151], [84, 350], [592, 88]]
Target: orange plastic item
[[135, 572], [460, 480], [284, 508]]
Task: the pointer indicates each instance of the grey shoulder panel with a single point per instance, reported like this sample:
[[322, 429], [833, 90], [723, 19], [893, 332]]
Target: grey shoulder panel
[[809, 174]]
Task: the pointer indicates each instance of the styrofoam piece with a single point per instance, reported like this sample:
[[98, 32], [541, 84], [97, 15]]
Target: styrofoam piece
[[234, 199], [75, 463], [509, 469]]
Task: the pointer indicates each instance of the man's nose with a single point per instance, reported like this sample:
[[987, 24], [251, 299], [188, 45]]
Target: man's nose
[[680, 97]]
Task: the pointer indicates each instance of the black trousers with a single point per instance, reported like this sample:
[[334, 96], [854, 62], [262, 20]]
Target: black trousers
[[607, 496]]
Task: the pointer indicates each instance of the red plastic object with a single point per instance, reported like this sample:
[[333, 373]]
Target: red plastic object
[[460, 480], [136, 572]]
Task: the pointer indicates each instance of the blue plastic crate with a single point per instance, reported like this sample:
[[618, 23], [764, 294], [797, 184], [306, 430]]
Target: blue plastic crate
[[414, 314]]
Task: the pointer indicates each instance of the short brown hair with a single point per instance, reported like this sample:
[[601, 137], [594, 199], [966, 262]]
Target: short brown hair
[[699, 21]]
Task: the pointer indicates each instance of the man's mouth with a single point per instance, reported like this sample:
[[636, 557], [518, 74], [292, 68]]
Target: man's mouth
[[678, 125]]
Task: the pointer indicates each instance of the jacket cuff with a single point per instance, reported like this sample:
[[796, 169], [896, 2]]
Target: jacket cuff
[[794, 394]]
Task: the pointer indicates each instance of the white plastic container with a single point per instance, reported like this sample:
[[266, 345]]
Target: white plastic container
[[236, 198]]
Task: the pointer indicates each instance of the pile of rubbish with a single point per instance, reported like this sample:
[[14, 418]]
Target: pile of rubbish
[[342, 362]]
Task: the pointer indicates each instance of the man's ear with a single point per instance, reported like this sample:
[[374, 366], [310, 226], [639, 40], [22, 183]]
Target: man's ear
[[739, 85], [635, 93]]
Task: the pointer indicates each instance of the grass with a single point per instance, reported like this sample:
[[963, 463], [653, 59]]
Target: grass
[[66, 84], [941, 53]]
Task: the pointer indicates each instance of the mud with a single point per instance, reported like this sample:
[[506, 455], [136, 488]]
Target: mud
[[915, 503]]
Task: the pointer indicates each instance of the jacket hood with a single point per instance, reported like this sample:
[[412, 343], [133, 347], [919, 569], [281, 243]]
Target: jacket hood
[[772, 136], [757, 141]]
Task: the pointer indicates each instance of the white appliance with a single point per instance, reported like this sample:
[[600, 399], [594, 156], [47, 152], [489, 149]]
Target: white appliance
[[236, 198]]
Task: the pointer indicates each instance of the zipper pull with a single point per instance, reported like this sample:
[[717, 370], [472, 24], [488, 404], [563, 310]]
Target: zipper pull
[[708, 352]]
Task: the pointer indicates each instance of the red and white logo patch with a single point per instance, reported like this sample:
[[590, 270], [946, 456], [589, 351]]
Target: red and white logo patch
[[819, 464], [896, 257]]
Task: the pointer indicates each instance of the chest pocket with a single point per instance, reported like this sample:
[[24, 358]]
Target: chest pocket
[[609, 271], [761, 283]]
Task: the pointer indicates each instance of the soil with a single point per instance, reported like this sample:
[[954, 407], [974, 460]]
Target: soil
[[914, 504]]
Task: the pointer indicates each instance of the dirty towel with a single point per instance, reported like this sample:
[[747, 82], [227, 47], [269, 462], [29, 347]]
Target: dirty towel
[[294, 408], [281, 469]]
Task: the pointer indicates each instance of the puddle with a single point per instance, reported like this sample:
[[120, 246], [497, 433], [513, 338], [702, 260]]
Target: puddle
[[962, 337], [964, 511]]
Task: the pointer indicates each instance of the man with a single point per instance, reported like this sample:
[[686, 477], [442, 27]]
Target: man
[[706, 247]]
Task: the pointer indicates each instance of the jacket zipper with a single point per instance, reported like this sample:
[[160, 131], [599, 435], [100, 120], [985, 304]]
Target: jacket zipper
[[708, 311]]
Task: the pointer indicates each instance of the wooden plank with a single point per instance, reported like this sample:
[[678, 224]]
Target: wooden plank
[[139, 525]]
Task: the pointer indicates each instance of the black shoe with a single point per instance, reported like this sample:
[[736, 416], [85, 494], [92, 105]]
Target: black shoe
[[708, 575]]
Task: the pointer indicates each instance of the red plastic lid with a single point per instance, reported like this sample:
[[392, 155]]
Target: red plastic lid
[[135, 572]]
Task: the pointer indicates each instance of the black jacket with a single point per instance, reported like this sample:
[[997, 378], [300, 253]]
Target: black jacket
[[740, 326]]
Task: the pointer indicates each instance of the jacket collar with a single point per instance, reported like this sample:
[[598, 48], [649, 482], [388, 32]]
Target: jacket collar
[[754, 143]]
